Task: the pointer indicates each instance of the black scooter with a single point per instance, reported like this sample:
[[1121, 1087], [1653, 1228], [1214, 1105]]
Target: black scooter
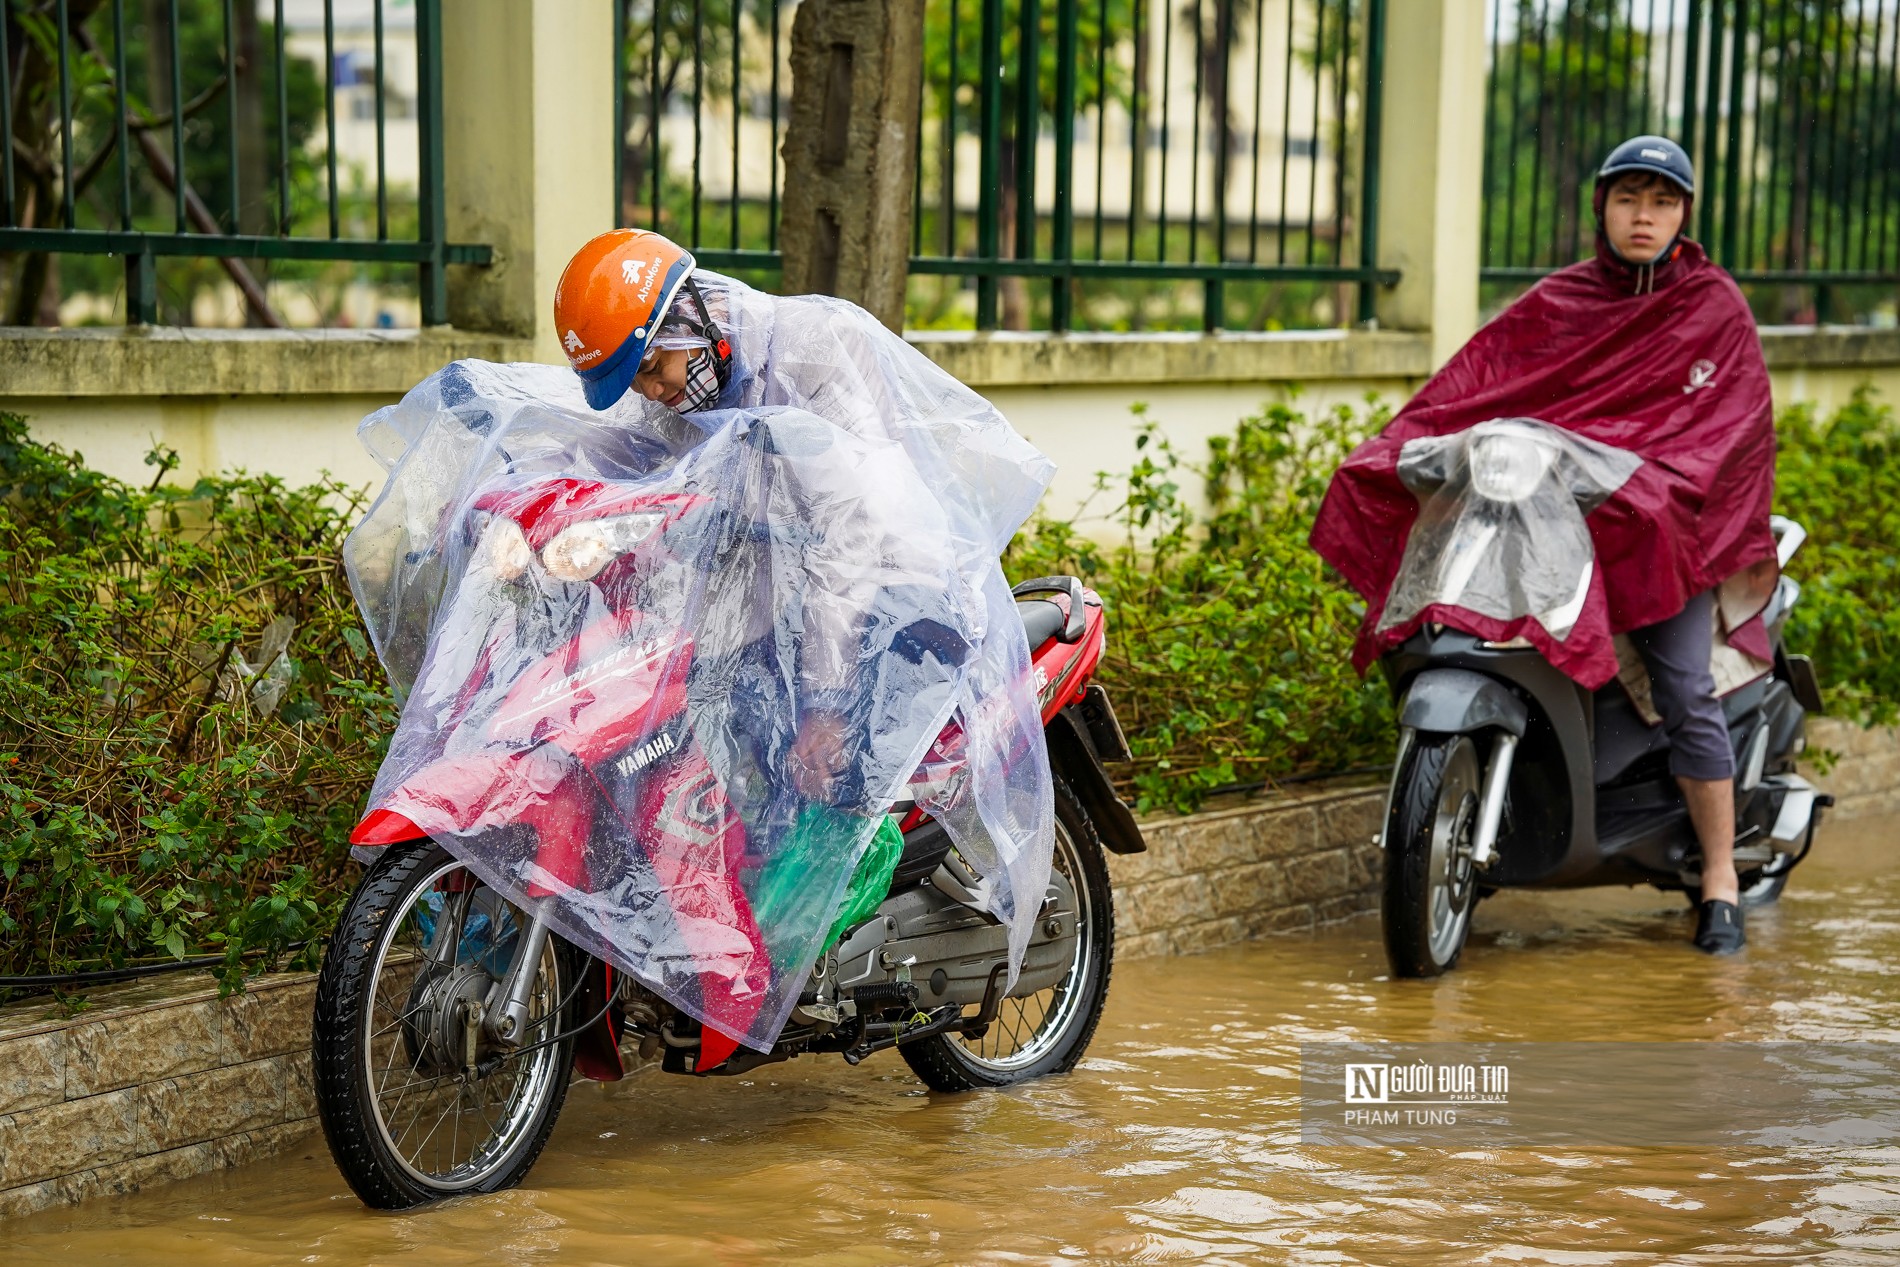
[[1510, 775]]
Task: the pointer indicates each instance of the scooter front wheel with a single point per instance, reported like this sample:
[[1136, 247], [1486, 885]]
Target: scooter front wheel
[[1429, 887], [417, 1099]]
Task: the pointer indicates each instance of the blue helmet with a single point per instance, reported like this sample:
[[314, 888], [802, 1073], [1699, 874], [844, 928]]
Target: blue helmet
[[1656, 154]]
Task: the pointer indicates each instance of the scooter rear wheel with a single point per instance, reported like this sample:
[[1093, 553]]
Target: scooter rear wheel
[[1429, 886]]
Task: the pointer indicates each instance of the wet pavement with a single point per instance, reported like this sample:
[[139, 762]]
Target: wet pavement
[[1178, 1139]]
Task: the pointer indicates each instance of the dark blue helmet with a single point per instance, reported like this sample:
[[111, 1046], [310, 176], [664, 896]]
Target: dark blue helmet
[[1656, 154]]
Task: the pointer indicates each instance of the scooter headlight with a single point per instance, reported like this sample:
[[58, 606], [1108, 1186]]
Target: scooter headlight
[[579, 552], [1507, 467], [504, 549]]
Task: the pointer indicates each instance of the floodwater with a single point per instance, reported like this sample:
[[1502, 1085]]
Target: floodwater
[[1178, 1139]]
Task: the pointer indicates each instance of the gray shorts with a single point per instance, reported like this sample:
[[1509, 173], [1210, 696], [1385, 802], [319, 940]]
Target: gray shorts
[[1677, 653]]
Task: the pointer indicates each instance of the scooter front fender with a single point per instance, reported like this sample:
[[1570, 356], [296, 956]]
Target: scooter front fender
[[1459, 702]]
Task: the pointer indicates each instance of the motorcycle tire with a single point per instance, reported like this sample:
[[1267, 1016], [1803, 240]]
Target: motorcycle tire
[[388, 1007], [1429, 888], [1017, 1048]]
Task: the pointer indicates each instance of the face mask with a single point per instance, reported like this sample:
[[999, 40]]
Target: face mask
[[702, 382]]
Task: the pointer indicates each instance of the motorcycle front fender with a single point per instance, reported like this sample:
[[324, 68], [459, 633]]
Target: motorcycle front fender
[[1460, 702]]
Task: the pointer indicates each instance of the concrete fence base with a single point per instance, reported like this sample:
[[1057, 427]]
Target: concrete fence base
[[161, 1081]]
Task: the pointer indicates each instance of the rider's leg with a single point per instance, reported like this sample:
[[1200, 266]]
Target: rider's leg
[[1712, 810], [1677, 653]]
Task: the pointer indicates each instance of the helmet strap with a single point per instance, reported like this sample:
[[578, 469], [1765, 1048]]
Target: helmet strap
[[709, 329]]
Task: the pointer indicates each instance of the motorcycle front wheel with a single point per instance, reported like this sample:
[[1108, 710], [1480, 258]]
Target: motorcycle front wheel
[[417, 1102], [1429, 887], [1045, 1032]]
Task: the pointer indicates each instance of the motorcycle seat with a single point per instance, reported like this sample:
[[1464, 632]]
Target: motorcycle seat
[[1042, 620]]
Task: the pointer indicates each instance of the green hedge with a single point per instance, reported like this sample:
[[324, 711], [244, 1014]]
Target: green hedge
[[1229, 640], [190, 717], [1841, 481]]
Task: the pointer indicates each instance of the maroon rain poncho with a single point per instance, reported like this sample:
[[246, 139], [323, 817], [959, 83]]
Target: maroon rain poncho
[[1659, 360]]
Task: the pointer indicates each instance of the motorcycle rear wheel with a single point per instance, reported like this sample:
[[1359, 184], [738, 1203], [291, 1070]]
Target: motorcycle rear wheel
[[1429, 886], [1046, 1032], [408, 1117]]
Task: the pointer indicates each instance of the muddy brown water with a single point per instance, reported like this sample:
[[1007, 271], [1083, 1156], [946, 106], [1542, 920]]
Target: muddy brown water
[[1178, 1139]]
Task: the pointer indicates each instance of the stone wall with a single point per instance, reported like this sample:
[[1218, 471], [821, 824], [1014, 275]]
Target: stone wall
[[1229, 875], [1864, 771], [155, 1082], [161, 1081]]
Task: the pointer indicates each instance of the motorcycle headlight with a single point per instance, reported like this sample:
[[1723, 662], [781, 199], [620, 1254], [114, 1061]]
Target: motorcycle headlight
[[1506, 467], [579, 552], [504, 548]]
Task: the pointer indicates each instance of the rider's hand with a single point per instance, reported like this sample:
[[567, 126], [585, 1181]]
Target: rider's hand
[[817, 757]]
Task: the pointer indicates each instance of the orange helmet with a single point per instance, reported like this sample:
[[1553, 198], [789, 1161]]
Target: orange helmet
[[609, 305]]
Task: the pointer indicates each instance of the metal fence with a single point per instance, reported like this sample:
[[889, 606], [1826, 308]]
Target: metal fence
[[1084, 163], [219, 155], [1788, 108]]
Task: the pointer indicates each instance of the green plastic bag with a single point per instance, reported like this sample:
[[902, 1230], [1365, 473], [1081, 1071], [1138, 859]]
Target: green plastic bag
[[783, 898]]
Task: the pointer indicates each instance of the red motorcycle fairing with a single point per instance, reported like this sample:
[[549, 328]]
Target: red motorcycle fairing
[[602, 699]]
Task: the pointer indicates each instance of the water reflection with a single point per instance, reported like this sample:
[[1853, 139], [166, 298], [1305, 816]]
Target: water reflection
[[1178, 1141]]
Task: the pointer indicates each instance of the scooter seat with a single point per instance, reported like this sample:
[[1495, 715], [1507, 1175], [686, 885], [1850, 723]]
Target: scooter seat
[[1042, 620]]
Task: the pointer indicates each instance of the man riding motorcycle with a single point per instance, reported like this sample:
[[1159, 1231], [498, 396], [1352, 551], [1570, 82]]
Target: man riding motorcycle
[[1647, 347]]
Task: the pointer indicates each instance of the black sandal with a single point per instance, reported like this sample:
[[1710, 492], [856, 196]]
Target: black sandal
[[1718, 928]]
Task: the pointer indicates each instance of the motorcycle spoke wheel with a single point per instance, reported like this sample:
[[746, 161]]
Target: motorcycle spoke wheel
[[1046, 1031], [447, 1124], [418, 1101]]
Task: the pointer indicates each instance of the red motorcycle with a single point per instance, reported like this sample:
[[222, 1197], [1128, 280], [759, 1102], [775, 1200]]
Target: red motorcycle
[[449, 1018]]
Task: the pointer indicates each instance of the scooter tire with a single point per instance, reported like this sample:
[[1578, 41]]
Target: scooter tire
[[1435, 791], [340, 1035], [946, 1062]]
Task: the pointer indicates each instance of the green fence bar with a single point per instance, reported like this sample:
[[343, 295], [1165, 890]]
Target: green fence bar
[[65, 114], [430, 206], [1369, 181], [178, 116], [382, 130], [6, 125], [990, 179], [329, 106], [1062, 240]]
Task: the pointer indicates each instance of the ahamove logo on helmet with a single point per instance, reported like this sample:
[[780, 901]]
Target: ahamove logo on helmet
[[630, 272]]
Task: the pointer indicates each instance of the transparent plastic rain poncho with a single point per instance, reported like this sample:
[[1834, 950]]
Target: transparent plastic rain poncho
[[609, 628], [1501, 529]]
